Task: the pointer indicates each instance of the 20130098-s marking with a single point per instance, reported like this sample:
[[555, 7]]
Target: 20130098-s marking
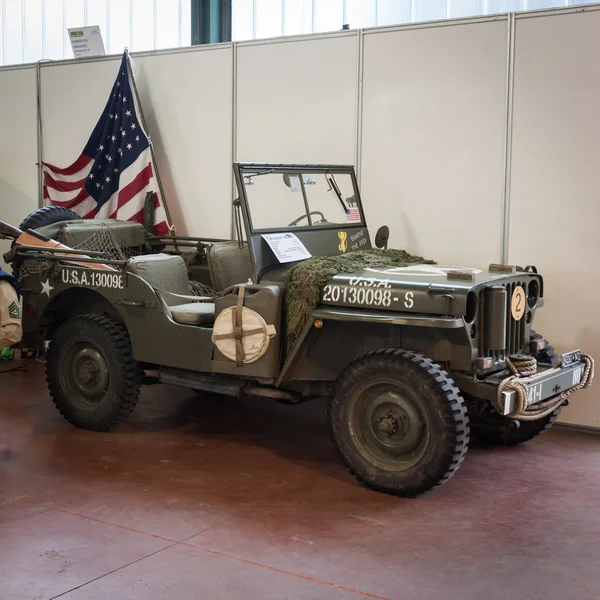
[[365, 291], [94, 279]]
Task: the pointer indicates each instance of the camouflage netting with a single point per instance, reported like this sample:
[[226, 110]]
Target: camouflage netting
[[305, 281]]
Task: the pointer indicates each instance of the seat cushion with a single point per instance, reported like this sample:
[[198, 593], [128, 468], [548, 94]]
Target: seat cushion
[[229, 264], [194, 313], [165, 272]]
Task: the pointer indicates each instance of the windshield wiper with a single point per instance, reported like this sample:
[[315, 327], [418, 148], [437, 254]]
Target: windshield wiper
[[333, 185]]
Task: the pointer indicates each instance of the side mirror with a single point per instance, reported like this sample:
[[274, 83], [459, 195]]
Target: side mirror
[[382, 236]]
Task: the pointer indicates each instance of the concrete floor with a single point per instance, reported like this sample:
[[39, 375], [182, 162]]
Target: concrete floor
[[209, 498]]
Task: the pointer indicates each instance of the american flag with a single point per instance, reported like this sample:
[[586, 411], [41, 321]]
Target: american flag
[[352, 214], [114, 172]]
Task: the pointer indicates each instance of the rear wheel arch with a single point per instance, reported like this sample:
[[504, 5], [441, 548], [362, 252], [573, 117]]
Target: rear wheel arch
[[74, 302]]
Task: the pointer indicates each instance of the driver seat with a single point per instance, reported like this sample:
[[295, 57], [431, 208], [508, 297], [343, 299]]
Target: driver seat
[[167, 274]]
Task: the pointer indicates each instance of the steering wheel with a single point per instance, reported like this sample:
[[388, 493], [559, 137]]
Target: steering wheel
[[304, 216]]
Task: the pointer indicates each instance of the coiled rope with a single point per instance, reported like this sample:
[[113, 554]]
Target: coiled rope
[[524, 371]]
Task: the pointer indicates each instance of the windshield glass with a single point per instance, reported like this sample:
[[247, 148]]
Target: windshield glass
[[283, 200]]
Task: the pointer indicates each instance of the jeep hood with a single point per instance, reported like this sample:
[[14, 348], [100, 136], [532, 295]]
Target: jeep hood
[[424, 289]]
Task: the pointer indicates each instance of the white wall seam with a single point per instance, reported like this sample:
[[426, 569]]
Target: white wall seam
[[359, 101], [508, 121]]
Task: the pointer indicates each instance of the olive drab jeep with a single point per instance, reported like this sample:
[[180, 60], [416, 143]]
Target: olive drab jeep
[[413, 356]]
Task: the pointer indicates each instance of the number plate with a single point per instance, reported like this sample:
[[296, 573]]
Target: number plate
[[570, 358]]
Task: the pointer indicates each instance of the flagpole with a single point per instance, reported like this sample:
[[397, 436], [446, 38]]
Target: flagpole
[[154, 164]]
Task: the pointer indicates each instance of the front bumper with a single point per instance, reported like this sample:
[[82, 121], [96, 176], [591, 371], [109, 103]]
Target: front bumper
[[542, 386]]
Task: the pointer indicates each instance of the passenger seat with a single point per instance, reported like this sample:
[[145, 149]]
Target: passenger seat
[[167, 273]]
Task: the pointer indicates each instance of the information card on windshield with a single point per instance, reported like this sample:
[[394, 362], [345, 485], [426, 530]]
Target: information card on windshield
[[286, 247]]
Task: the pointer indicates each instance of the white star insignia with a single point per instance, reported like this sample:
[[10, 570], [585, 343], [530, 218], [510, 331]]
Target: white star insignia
[[116, 170], [113, 138], [112, 116], [122, 132], [91, 176], [109, 159], [100, 148], [133, 126], [124, 99], [119, 95], [107, 179], [98, 185], [137, 138], [120, 151], [128, 146], [119, 83], [46, 287], [128, 113]]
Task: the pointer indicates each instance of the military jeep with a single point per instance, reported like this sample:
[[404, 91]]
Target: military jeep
[[413, 356]]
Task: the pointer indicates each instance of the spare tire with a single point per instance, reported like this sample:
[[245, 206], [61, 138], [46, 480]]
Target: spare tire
[[48, 216]]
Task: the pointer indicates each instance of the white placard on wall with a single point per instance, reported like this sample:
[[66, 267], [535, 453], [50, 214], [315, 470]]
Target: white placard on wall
[[86, 41]]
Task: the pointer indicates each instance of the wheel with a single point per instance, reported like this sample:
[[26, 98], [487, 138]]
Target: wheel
[[399, 422], [48, 216], [492, 428], [92, 376]]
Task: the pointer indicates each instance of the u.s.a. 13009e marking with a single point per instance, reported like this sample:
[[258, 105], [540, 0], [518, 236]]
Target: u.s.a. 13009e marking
[[93, 279], [367, 291]]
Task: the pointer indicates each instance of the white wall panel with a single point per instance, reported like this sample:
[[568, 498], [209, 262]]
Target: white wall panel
[[297, 101], [73, 97], [433, 131], [188, 120], [555, 205], [18, 147], [188, 110]]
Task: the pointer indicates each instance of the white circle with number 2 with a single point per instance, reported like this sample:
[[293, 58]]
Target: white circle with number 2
[[518, 303]]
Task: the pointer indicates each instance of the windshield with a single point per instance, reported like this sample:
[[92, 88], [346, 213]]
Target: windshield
[[286, 199]]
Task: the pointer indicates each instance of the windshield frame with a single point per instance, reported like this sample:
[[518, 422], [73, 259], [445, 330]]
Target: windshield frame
[[242, 169]]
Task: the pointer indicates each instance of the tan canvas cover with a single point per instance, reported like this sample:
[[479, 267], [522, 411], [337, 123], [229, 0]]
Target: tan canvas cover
[[254, 338]]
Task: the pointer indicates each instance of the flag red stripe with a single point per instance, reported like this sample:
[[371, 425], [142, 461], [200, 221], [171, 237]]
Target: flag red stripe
[[159, 228], [72, 169], [62, 186], [81, 197], [142, 179]]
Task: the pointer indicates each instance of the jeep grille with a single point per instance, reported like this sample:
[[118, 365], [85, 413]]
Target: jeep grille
[[515, 331]]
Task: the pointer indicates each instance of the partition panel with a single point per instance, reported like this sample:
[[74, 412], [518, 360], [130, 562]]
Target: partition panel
[[296, 100], [554, 205], [18, 147], [433, 121]]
